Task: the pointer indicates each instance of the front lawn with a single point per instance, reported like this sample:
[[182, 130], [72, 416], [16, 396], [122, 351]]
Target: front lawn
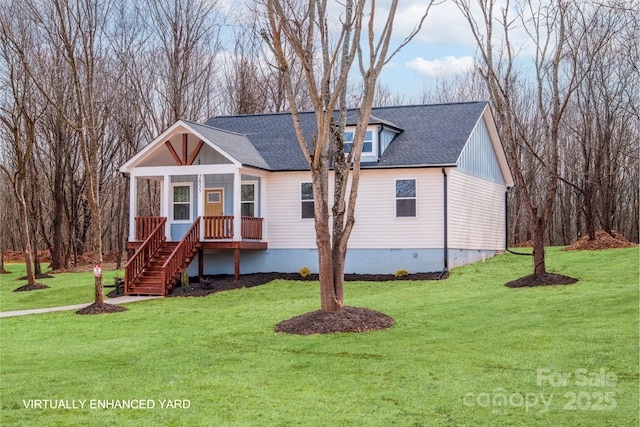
[[64, 289], [463, 351]]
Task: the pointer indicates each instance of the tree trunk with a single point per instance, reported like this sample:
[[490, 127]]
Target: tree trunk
[[539, 266], [329, 301], [2, 270], [26, 242], [58, 260], [37, 268]]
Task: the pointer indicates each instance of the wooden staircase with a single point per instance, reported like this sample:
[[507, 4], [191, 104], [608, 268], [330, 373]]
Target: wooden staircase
[[156, 267], [150, 281]]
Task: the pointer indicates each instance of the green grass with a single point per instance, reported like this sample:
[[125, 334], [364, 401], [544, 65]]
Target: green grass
[[64, 289], [458, 345]]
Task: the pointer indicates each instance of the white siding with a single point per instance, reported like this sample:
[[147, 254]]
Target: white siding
[[476, 213], [285, 228], [376, 223]]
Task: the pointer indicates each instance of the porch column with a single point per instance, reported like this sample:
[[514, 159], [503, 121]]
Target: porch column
[[237, 205], [133, 206], [200, 201], [165, 206], [263, 206]]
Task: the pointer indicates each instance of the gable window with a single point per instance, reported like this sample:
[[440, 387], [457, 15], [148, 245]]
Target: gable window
[[367, 147], [306, 200], [248, 199], [405, 198], [182, 202]]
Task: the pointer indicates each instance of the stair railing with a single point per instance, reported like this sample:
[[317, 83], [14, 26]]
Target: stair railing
[[177, 261], [137, 263]]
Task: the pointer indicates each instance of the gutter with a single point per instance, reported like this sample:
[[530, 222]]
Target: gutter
[[446, 227]]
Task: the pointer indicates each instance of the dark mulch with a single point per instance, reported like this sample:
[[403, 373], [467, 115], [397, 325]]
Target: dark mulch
[[38, 276], [34, 287], [96, 308], [210, 284], [547, 279], [347, 319]]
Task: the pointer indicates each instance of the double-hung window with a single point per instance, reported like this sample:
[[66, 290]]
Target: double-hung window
[[182, 202], [306, 200], [248, 199], [367, 147], [405, 198]]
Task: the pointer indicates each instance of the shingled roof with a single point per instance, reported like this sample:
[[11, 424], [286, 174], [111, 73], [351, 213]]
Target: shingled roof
[[432, 135]]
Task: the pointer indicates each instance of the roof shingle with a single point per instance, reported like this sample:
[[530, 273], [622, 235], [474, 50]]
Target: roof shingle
[[433, 135]]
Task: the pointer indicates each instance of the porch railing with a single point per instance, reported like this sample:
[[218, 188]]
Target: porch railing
[[146, 224], [218, 227], [136, 264], [221, 227], [181, 255], [251, 228]]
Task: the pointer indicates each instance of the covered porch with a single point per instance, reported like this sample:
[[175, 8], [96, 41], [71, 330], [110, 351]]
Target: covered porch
[[210, 189]]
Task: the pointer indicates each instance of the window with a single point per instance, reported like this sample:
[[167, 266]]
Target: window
[[213, 197], [182, 202], [248, 199], [306, 205], [367, 147], [405, 198]]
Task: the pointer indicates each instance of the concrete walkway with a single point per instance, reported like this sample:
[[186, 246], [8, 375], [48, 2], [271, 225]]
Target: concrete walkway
[[116, 300]]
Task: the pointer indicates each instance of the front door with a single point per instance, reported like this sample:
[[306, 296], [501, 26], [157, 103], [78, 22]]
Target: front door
[[213, 202]]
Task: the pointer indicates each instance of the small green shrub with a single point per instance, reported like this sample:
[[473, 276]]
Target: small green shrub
[[401, 273], [304, 272]]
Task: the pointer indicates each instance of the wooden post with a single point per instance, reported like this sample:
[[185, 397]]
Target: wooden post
[[200, 262], [236, 263]]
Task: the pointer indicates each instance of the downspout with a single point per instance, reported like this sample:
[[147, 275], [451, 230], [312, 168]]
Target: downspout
[[446, 227]]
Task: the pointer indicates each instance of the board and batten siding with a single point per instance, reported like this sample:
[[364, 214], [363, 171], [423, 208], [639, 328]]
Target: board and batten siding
[[376, 223], [476, 213]]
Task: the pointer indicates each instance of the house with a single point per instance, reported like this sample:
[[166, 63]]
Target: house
[[236, 196]]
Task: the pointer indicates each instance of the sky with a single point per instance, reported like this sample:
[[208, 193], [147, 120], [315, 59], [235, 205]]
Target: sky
[[444, 46]]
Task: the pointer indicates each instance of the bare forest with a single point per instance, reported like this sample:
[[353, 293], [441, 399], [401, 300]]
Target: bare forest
[[85, 84]]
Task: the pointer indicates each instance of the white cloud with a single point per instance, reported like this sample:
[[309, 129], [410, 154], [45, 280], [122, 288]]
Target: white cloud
[[445, 24], [441, 66]]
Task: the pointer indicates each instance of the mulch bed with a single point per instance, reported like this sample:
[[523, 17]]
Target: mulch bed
[[96, 308], [346, 319], [547, 279], [603, 240], [211, 284], [34, 287]]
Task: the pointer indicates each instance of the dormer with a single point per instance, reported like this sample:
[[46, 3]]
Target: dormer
[[380, 134]]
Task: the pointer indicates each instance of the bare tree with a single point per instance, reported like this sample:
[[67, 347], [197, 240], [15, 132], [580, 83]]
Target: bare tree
[[539, 130], [184, 41], [74, 30], [18, 125], [304, 31]]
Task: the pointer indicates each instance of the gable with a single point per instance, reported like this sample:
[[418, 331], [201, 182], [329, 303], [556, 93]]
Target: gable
[[478, 157], [186, 143], [183, 149]]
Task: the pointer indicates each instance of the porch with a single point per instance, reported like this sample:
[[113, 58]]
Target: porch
[[156, 264], [215, 231]]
